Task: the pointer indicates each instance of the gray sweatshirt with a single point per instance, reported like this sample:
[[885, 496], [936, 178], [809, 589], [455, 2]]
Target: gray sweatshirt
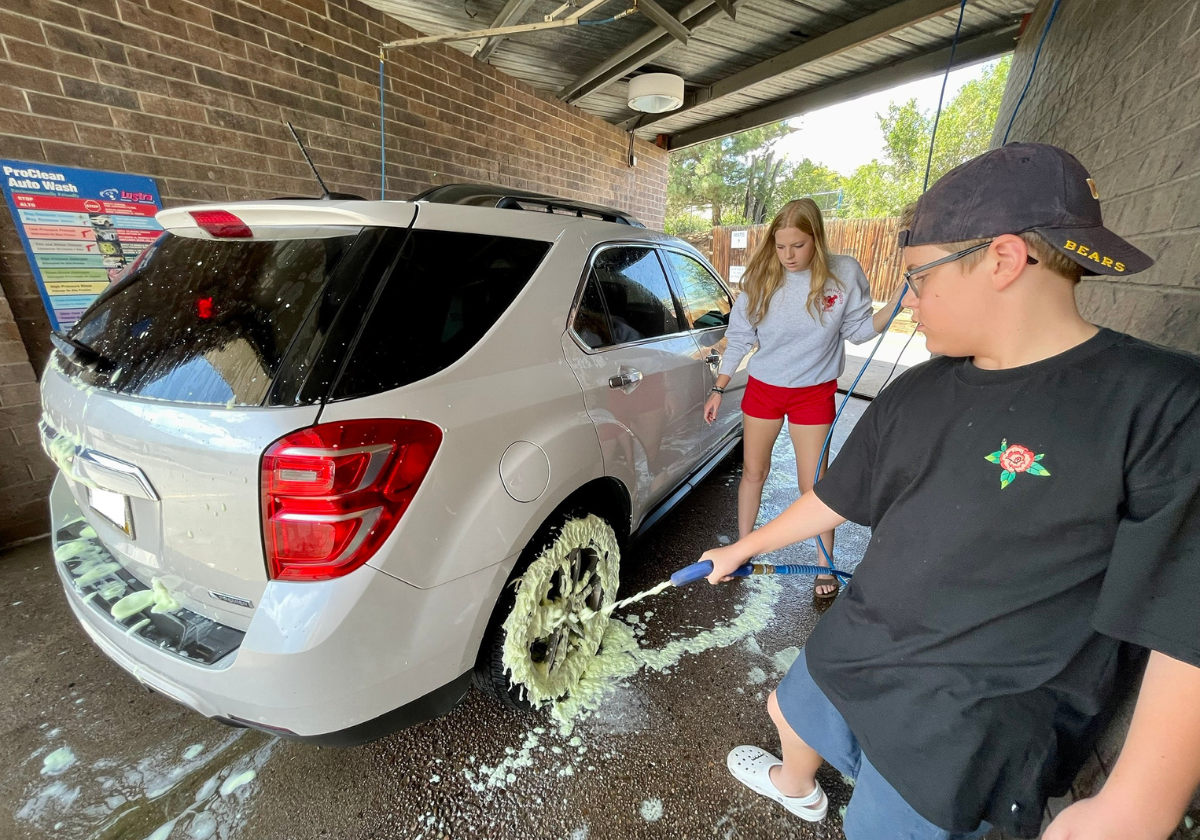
[[795, 349]]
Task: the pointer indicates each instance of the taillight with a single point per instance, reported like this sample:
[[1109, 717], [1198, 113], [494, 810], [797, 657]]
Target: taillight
[[221, 223], [331, 494]]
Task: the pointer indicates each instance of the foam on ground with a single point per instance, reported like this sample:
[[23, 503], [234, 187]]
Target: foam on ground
[[620, 656]]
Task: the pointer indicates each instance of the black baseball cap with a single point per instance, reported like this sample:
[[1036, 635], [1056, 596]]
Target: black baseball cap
[[1024, 187]]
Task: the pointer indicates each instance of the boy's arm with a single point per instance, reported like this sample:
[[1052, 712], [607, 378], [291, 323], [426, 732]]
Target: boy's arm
[[1158, 770], [803, 519]]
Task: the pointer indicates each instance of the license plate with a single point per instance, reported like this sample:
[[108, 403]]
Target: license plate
[[112, 506]]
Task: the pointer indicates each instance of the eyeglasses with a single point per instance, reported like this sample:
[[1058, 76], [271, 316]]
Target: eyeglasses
[[914, 281]]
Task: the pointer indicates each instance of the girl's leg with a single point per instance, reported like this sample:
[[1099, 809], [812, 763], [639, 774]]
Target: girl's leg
[[758, 439], [808, 442]]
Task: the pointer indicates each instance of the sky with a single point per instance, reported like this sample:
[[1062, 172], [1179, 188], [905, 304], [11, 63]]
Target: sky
[[845, 136]]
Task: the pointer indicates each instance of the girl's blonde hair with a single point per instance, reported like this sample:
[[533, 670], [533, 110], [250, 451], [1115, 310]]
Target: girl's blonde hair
[[765, 275]]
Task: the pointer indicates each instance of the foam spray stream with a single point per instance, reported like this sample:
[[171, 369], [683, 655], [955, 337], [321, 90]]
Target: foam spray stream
[[702, 569]]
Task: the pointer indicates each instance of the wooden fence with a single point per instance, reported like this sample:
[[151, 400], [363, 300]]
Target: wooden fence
[[870, 241]]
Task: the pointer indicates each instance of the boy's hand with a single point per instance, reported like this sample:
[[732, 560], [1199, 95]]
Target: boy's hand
[[725, 560], [1099, 819], [1149, 789]]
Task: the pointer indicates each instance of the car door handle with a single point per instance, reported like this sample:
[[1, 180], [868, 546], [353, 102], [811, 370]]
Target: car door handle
[[625, 379], [713, 358]]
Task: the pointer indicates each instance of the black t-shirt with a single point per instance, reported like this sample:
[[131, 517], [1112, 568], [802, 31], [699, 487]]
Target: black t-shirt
[[1026, 523]]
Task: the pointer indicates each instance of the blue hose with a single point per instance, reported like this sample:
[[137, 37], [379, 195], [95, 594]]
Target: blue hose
[[838, 416], [613, 19], [1036, 56], [945, 78], [899, 304], [929, 163], [382, 136], [695, 571], [805, 569]]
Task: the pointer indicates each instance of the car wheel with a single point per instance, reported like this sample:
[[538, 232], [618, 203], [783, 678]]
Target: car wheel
[[548, 624]]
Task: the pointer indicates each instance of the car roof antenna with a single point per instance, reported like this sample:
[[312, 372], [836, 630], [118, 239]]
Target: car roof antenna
[[304, 152]]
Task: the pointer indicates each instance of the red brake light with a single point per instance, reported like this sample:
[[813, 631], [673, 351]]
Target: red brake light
[[331, 494], [221, 223]]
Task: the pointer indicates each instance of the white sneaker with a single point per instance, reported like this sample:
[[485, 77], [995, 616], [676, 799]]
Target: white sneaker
[[752, 767]]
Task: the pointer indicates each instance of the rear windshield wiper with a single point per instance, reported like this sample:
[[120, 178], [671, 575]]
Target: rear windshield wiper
[[80, 353]]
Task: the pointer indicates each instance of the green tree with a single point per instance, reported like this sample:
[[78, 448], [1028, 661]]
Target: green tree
[[742, 179], [716, 174], [883, 188], [807, 179], [869, 192], [761, 182], [969, 120]]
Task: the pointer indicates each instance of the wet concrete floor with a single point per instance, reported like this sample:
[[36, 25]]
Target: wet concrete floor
[[90, 754]]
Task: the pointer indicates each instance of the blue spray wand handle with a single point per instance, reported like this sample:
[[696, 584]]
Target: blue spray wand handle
[[702, 569]]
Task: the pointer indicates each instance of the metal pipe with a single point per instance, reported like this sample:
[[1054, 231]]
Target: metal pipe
[[641, 51], [570, 20], [512, 12], [382, 136]]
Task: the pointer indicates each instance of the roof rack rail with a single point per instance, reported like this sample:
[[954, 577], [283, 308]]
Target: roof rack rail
[[484, 195], [333, 196]]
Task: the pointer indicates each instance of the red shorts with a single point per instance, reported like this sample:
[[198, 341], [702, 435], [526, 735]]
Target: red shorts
[[808, 406]]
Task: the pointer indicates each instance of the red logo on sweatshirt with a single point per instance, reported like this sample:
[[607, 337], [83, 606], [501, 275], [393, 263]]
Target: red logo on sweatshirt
[[832, 301]]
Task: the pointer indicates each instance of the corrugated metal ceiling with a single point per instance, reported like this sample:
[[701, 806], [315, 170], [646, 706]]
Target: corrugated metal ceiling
[[552, 60]]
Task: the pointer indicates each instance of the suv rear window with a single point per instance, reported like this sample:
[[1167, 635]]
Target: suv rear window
[[446, 291], [209, 321]]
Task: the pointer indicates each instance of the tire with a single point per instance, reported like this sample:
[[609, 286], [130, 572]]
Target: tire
[[584, 542]]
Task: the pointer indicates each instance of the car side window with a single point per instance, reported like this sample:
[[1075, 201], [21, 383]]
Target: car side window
[[591, 320], [447, 290], [706, 304], [639, 300]]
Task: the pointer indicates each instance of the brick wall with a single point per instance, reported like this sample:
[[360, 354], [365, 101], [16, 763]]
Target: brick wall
[[1118, 85], [195, 95], [25, 472]]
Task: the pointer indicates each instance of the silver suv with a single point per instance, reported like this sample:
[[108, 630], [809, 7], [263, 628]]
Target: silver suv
[[304, 444]]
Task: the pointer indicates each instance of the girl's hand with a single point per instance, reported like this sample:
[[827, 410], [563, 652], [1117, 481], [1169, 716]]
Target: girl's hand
[[710, 408], [725, 560], [880, 319]]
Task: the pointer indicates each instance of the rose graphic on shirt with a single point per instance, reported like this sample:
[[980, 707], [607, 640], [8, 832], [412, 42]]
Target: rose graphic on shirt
[[1015, 460], [831, 301]]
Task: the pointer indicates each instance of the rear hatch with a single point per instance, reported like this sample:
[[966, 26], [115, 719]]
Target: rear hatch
[[225, 336]]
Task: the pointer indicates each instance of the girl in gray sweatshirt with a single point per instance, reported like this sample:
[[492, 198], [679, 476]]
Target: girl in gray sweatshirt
[[799, 306]]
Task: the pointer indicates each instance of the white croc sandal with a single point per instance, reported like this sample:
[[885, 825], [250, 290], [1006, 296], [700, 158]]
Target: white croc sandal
[[752, 767]]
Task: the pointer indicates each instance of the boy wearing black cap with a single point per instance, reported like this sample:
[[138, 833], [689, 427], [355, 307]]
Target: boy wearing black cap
[[1034, 495]]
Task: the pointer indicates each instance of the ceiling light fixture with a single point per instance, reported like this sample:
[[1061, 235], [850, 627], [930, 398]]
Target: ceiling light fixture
[[656, 93]]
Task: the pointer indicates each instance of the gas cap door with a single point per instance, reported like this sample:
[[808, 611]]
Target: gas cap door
[[525, 471]]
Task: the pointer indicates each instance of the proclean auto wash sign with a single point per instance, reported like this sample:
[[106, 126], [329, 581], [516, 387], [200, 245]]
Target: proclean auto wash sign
[[81, 228]]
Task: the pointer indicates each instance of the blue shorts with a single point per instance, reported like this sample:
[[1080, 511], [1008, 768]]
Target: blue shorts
[[876, 810]]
